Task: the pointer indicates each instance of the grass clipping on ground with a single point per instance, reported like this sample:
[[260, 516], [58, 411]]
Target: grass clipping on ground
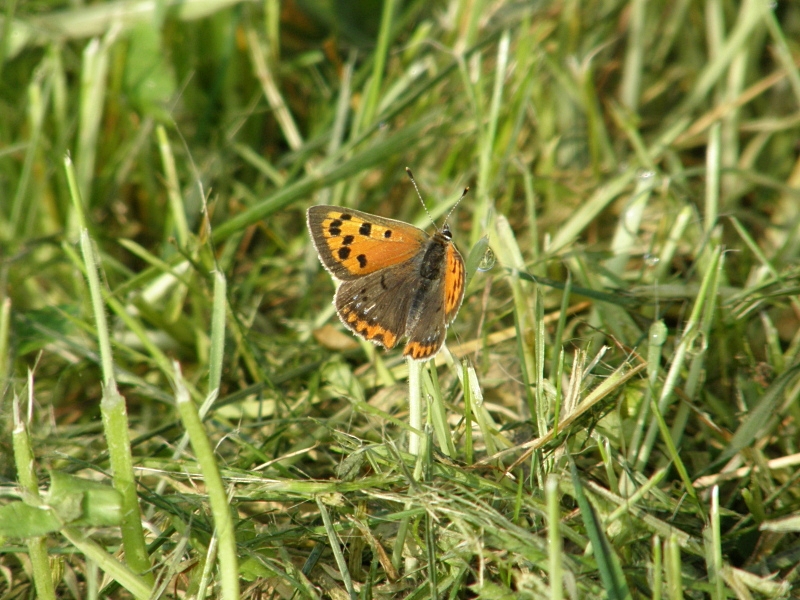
[[616, 411]]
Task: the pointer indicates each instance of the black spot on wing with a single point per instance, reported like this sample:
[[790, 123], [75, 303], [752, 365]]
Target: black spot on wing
[[361, 258], [365, 229], [335, 227], [344, 252]]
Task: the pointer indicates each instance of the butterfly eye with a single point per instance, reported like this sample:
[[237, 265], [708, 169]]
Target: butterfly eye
[[446, 232]]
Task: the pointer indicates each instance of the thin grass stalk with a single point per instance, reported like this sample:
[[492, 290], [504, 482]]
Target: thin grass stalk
[[343, 102], [272, 28], [657, 336], [437, 413], [116, 429], [554, 542], [634, 56], [422, 466], [480, 215], [542, 412], [25, 462], [714, 548], [414, 405], [336, 549], [714, 26], [783, 52], [217, 496], [217, 350], [6, 367], [468, 412], [115, 425], [93, 91], [656, 568], [400, 542], [751, 15], [530, 210], [430, 543], [598, 138], [626, 233], [19, 220], [94, 552], [697, 368], [5, 41], [558, 375], [608, 564], [604, 448], [731, 182], [671, 244], [176, 205], [482, 416], [259, 55], [558, 341], [772, 344], [210, 560], [503, 242], [672, 570], [712, 178], [518, 499], [103, 338], [518, 114], [672, 450], [379, 58], [469, 22]]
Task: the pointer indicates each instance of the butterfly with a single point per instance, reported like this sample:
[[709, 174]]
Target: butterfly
[[396, 280]]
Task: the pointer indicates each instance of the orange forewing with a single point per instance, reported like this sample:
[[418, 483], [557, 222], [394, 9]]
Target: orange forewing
[[353, 244]]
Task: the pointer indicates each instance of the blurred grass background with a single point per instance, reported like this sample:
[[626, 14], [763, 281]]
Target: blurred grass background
[[617, 413]]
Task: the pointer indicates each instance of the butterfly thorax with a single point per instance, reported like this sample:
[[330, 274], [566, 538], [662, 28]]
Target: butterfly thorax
[[433, 259]]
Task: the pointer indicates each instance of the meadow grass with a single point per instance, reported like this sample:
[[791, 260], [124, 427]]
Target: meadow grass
[[616, 412]]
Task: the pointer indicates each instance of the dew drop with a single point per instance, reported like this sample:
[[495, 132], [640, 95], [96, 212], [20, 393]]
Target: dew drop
[[651, 260], [487, 261], [658, 333]]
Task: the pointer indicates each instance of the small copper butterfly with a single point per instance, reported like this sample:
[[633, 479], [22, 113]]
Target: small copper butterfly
[[396, 280]]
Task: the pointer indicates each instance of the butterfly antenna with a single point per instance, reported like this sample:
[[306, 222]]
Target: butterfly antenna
[[414, 181], [464, 193]]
